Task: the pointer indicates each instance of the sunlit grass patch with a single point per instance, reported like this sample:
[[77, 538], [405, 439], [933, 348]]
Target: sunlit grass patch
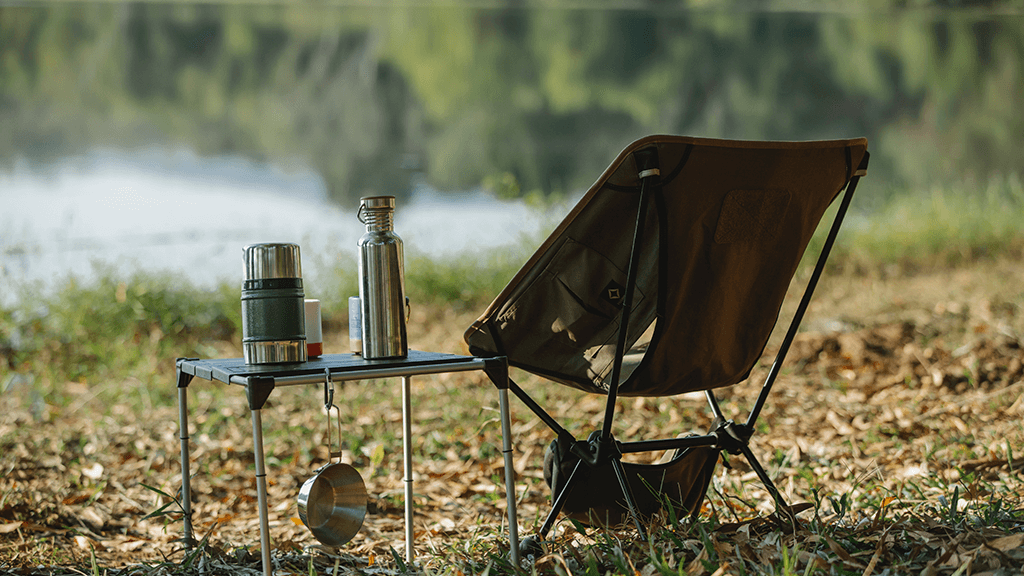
[[945, 225]]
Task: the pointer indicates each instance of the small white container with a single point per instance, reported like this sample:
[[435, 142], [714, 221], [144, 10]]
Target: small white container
[[355, 325], [314, 329]]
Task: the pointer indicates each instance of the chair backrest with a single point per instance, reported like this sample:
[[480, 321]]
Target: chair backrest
[[724, 233]]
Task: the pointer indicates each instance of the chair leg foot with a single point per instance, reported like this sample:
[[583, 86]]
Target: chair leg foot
[[531, 549]]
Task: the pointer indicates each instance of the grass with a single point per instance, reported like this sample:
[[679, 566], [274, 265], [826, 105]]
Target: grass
[[103, 350], [939, 227], [116, 326]]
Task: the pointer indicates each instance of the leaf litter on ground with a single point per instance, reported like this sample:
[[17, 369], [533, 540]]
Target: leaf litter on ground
[[895, 430]]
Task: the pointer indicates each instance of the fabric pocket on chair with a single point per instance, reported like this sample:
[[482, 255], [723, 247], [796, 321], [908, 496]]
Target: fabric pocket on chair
[[565, 319]]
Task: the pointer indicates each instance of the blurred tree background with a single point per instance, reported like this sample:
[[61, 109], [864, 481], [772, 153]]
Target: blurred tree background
[[524, 96]]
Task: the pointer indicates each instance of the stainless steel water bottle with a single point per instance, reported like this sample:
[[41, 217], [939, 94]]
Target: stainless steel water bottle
[[273, 315], [381, 281]]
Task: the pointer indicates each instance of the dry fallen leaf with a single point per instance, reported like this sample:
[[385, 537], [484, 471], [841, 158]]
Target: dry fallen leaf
[[888, 441], [1007, 543]]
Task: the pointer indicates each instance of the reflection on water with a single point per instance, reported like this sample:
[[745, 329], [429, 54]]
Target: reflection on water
[[385, 98], [372, 96], [160, 211]]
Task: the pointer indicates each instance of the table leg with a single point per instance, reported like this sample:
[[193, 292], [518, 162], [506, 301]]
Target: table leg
[[186, 477], [510, 476], [261, 491], [407, 464]]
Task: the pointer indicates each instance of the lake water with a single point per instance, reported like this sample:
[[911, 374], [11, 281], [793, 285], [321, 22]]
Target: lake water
[[158, 210], [167, 135]]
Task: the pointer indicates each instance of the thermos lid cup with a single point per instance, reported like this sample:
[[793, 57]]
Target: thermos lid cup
[[272, 260]]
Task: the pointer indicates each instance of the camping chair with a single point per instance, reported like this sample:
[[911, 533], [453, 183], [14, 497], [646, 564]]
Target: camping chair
[[667, 277]]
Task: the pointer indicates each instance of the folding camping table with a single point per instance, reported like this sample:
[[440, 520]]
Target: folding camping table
[[260, 380]]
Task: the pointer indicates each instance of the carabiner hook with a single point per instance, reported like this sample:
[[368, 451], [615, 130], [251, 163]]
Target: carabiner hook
[[329, 406], [328, 390]]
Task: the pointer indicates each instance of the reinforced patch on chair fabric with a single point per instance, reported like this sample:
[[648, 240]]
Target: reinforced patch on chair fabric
[[596, 499], [724, 231], [750, 215]]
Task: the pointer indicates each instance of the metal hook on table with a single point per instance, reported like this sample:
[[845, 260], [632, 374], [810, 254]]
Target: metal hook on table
[[329, 407], [328, 390]]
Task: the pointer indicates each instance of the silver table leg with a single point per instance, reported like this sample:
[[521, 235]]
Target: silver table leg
[[510, 476], [407, 465], [186, 478], [261, 491]]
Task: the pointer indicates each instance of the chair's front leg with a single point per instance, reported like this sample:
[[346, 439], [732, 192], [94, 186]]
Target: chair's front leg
[[627, 492]]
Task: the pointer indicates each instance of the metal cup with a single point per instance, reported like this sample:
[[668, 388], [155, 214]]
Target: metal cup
[[332, 504]]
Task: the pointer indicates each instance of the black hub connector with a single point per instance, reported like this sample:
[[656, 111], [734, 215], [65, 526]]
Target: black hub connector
[[733, 437], [596, 450]]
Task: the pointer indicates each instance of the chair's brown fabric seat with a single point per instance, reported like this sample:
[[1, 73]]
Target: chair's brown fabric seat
[[723, 236]]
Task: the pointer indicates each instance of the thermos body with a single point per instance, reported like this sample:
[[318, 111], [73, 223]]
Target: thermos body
[[381, 282], [273, 309]]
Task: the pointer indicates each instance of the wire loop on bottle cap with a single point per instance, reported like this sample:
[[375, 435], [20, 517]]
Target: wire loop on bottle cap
[[377, 212]]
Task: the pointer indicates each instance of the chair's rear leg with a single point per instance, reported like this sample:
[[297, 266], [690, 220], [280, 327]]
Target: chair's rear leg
[[735, 438], [781, 507]]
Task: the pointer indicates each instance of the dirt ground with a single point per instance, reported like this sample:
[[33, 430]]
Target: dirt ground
[[898, 388]]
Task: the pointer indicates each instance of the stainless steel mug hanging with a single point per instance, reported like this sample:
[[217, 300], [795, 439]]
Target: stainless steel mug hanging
[[381, 281], [273, 316], [332, 504]]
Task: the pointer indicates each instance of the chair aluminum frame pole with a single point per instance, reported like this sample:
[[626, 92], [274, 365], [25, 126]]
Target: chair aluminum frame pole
[[606, 448], [729, 436]]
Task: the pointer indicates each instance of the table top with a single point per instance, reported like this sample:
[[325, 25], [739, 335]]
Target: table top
[[337, 364]]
